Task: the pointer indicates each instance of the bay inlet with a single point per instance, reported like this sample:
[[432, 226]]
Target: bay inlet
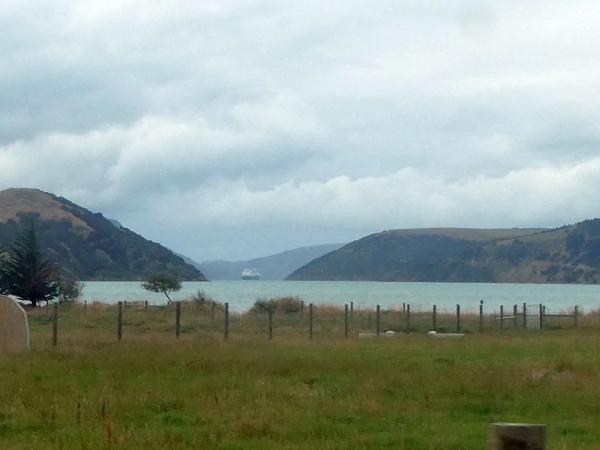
[[242, 294]]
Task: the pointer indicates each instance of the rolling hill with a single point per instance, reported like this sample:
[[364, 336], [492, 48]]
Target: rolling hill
[[569, 254], [83, 243]]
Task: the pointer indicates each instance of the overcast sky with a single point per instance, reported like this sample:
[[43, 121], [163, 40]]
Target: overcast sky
[[234, 129]]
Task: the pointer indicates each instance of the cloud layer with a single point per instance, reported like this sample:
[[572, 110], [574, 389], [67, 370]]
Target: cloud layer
[[238, 128]]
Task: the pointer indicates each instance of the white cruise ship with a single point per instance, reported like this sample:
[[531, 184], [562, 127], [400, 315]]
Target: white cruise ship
[[250, 274]]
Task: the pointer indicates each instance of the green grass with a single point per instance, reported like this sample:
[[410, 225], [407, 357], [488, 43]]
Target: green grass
[[410, 392]]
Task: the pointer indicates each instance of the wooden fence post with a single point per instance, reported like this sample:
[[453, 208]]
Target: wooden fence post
[[55, 325], [458, 318], [434, 318], [302, 307], [346, 320], [408, 317], [510, 436], [351, 311], [177, 319], [226, 329], [524, 315], [119, 321], [310, 320], [270, 324], [212, 312], [369, 321], [378, 320], [85, 307], [403, 309], [146, 305], [515, 314], [480, 315], [541, 316], [501, 317], [125, 305], [576, 314]]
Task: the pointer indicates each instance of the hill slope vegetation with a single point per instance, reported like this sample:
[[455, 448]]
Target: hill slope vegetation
[[569, 254], [84, 243]]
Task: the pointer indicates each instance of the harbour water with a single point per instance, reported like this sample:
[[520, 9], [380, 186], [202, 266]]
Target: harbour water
[[242, 294]]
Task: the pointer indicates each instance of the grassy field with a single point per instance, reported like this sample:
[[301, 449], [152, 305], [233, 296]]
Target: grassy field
[[407, 392]]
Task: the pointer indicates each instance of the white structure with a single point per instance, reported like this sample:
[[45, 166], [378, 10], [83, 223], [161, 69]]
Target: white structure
[[14, 326], [250, 274], [436, 335]]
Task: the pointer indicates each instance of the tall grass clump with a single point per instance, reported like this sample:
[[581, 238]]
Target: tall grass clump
[[282, 305]]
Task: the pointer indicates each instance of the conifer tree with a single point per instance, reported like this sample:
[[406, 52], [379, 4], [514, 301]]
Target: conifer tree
[[26, 273]]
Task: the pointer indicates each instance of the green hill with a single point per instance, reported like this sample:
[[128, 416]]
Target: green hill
[[569, 254], [84, 243]]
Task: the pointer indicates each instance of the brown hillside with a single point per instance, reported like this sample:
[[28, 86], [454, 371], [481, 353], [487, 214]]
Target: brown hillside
[[18, 201], [83, 243]]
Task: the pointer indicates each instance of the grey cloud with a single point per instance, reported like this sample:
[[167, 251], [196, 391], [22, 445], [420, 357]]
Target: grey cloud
[[296, 119]]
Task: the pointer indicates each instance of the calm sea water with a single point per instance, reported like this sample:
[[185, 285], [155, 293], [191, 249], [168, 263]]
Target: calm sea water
[[242, 294]]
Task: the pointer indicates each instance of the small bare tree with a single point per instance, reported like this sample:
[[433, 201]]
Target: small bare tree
[[164, 283]]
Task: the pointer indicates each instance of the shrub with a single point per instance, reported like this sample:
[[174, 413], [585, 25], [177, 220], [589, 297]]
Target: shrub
[[69, 289], [283, 305], [201, 297]]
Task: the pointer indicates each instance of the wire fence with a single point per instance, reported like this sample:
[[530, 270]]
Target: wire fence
[[284, 319]]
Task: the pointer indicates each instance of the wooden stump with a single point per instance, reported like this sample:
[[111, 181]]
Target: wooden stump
[[517, 436]]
